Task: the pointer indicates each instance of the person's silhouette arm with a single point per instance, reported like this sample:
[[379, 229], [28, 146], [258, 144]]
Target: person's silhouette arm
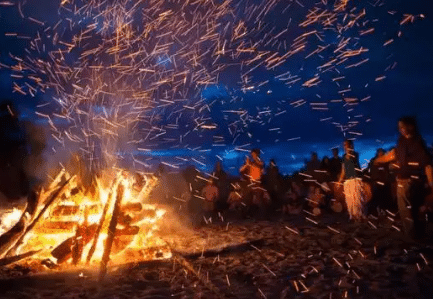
[[388, 157], [342, 174], [245, 166], [429, 174]]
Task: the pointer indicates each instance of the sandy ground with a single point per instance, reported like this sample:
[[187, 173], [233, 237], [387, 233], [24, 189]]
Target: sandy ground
[[286, 258]]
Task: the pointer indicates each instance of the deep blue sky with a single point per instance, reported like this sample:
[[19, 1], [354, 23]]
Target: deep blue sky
[[407, 88]]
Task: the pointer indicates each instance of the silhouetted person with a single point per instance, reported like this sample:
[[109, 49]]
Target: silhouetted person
[[13, 179], [314, 163], [273, 183], [353, 185], [379, 178], [223, 186], [210, 194], [253, 167], [414, 169], [335, 165], [218, 171], [324, 174]]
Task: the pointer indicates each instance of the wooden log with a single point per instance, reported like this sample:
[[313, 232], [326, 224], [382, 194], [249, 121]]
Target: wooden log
[[9, 238], [79, 240], [64, 210], [49, 202], [101, 222], [65, 250], [12, 259], [57, 227], [125, 219], [132, 207], [127, 231], [111, 233]]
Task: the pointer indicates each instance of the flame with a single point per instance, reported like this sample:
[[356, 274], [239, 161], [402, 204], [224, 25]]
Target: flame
[[8, 219]]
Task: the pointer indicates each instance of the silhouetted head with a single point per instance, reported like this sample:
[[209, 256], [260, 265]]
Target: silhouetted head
[[218, 166], [407, 126], [335, 152], [380, 152], [255, 153], [314, 156], [348, 145]]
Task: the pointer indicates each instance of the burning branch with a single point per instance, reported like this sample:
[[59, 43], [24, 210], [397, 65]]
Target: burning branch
[[111, 232], [101, 223], [9, 242]]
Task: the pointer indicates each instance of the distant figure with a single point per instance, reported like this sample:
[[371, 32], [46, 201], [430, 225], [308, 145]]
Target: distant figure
[[273, 182], [235, 197], [223, 186], [414, 170], [13, 152], [292, 201], [353, 185], [335, 165], [325, 163], [219, 171], [325, 173], [380, 180], [253, 167], [314, 163], [210, 194]]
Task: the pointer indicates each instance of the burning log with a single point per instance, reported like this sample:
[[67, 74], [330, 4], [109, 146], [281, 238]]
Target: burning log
[[101, 224], [83, 235], [65, 210], [127, 231], [9, 260], [132, 207], [12, 248], [73, 246], [111, 233], [56, 227], [63, 252], [9, 238]]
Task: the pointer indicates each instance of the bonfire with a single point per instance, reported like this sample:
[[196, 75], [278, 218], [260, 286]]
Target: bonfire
[[67, 225]]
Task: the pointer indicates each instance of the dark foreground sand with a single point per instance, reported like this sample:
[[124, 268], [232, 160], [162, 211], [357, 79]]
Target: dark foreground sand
[[289, 258]]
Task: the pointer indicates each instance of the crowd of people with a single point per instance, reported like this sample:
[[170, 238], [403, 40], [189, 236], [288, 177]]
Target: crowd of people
[[399, 180]]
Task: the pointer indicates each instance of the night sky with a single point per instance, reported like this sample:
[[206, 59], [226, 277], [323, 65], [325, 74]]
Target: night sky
[[246, 106]]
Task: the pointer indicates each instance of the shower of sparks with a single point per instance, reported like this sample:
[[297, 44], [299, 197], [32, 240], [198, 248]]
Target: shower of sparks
[[130, 74]]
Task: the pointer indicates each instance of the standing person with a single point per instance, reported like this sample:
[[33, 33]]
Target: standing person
[[353, 185], [253, 168], [335, 164], [222, 184], [414, 168], [273, 183], [314, 163], [210, 194], [380, 181]]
